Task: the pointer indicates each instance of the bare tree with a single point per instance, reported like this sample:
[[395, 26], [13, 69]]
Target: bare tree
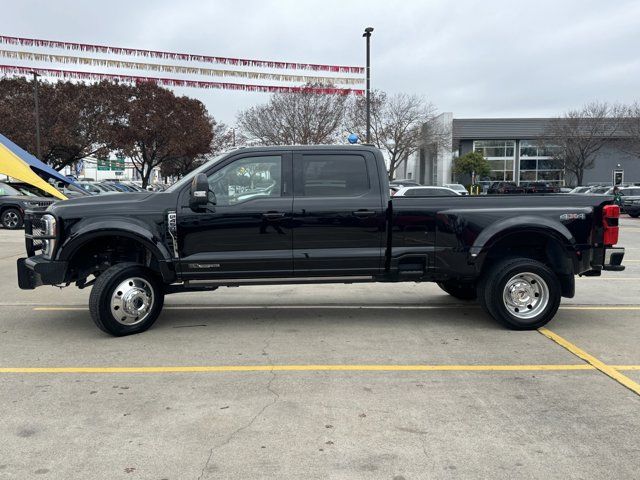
[[224, 137], [295, 119], [578, 136], [400, 124]]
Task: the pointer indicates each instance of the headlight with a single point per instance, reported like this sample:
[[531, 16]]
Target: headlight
[[49, 229], [30, 204]]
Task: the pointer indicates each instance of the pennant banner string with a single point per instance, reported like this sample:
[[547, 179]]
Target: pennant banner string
[[280, 77], [245, 62], [175, 82]]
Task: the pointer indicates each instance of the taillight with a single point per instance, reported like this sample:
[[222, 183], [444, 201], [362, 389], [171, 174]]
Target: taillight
[[610, 217]]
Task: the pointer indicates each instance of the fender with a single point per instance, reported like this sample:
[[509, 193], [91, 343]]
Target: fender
[[92, 228], [530, 223]]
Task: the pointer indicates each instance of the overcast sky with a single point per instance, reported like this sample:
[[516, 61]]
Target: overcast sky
[[473, 58]]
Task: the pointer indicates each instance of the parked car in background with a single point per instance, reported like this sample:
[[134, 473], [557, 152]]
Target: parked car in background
[[539, 187], [630, 204], [566, 189], [15, 198], [133, 186], [108, 186], [456, 187], [120, 187], [424, 191], [580, 190], [404, 182], [503, 188], [95, 188], [601, 190]]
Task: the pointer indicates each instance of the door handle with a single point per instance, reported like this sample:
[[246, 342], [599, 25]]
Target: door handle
[[364, 213], [273, 215]]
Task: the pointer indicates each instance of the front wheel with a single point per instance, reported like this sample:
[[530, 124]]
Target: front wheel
[[126, 299], [521, 293]]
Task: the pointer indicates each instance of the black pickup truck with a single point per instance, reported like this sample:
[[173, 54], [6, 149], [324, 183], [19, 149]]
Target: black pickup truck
[[316, 214]]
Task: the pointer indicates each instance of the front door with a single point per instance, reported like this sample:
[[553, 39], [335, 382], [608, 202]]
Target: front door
[[247, 233], [338, 216]]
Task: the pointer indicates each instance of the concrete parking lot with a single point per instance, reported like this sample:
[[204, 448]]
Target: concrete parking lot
[[343, 382]]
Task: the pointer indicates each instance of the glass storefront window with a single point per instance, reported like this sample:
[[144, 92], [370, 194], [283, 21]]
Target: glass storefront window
[[550, 175], [495, 148], [537, 163], [501, 157], [549, 164]]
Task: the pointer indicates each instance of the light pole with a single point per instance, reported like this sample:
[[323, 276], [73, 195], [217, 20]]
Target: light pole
[[36, 114], [367, 35]]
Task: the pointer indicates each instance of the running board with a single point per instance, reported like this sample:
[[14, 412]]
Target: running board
[[236, 282]]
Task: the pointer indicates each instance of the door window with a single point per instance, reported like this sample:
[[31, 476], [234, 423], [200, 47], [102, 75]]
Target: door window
[[247, 179], [332, 176]]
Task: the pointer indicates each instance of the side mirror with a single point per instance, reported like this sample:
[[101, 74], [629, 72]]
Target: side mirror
[[200, 195]]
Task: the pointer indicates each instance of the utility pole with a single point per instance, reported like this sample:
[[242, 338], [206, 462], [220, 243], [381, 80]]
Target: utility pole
[[367, 35], [37, 114]]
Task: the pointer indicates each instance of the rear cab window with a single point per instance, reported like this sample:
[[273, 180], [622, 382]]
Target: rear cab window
[[332, 175]]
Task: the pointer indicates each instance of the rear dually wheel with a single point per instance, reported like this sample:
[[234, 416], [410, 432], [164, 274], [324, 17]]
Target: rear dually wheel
[[521, 293]]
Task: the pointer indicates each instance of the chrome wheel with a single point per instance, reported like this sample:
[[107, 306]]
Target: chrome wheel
[[525, 295], [11, 219], [132, 301]]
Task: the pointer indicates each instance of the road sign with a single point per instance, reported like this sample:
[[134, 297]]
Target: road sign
[[111, 165]]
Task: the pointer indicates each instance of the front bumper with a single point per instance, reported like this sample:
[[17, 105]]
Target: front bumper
[[36, 271], [613, 259]]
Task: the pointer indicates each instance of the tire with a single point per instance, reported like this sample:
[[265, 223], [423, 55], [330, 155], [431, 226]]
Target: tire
[[12, 219], [126, 299], [521, 293], [634, 215], [462, 291]]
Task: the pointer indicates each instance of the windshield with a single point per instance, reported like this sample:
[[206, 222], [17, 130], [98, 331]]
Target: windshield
[[8, 190], [22, 189], [187, 178]]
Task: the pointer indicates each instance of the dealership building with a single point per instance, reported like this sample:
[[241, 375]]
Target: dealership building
[[514, 150]]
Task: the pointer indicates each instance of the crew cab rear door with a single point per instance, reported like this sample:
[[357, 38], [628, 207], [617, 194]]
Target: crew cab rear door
[[338, 216]]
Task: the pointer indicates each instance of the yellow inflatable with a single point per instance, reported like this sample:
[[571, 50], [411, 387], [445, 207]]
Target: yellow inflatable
[[13, 165]]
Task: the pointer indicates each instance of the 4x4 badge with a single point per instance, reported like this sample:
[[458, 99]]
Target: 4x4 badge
[[573, 216]]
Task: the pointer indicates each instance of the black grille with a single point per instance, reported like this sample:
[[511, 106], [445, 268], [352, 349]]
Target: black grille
[[34, 231]]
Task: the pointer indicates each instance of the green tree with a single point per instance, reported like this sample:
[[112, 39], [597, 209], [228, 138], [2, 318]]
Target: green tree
[[470, 163]]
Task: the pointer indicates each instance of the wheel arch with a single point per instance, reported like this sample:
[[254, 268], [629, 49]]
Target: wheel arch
[[82, 237], [547, 241]]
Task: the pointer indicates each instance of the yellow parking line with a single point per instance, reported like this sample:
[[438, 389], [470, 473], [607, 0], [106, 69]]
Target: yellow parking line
[[300, 368], [591, 360], [318, 368]]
